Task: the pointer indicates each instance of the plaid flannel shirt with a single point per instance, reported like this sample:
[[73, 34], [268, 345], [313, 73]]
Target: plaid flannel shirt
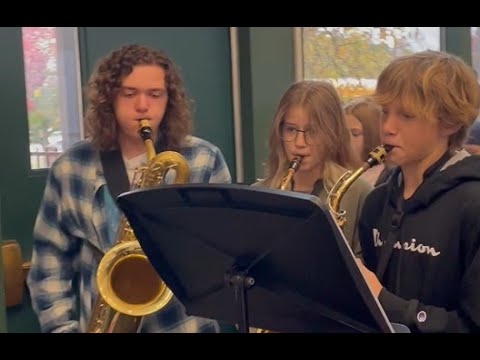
[[76, 224]]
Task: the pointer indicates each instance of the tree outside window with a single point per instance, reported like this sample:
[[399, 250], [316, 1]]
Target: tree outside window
[[52, 95], [353, 57]]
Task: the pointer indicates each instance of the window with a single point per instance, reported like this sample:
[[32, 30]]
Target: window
[[52, 80], [475, 41], [353, 57]]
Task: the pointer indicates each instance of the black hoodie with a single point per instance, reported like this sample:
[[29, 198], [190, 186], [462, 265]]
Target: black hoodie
[[425, 250]]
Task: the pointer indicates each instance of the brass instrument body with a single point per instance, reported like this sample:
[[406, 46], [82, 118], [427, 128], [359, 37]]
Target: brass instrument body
[[128, 285]]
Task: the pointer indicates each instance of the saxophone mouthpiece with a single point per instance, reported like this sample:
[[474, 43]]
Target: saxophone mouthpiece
[[387, 147], [377, 155], [295, 163], [292, 168], [145, 130]]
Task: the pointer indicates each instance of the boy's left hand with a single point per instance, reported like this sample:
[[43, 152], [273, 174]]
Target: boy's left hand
[[370, 278]]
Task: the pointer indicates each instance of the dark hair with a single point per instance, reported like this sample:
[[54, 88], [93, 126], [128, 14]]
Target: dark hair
[[103, 87]]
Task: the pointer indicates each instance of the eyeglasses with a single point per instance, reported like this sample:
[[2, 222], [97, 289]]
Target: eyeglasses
[[288, 133]]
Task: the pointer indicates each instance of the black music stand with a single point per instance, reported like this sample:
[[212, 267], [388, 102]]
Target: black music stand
[[252, 256]]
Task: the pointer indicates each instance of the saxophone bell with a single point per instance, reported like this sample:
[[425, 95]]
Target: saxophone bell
[[131, 285]]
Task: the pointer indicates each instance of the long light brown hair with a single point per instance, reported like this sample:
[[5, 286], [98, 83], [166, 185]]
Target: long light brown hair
[[103, 87], [321, 102], [433, 84], [369, 114]]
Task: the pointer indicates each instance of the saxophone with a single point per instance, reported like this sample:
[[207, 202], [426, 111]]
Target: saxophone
[[128, 285], [375, 157]]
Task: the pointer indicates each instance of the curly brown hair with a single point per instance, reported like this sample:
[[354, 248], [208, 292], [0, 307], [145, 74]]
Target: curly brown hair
[[104, 85]]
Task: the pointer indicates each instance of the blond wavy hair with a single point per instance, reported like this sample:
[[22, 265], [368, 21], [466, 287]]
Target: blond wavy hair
[[433, 84]]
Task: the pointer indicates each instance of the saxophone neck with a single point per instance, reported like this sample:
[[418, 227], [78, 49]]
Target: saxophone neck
[[292, 168], [375, 157], [145, 131]]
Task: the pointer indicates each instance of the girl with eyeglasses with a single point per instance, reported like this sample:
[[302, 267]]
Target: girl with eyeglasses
[[309, 122]]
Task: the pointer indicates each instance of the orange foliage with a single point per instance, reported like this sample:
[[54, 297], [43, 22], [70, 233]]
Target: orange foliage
[[348, 92]]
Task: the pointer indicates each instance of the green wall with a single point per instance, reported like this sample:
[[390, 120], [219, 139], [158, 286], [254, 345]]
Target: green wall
[[458, 41], [20, 188], [267, 70], [3, 315]]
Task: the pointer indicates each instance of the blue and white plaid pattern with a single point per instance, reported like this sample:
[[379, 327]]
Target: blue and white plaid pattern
[[76, 224]]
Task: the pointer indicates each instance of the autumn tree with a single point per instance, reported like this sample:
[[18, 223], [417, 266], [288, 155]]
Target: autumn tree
[[353, 52], [41, 80]]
